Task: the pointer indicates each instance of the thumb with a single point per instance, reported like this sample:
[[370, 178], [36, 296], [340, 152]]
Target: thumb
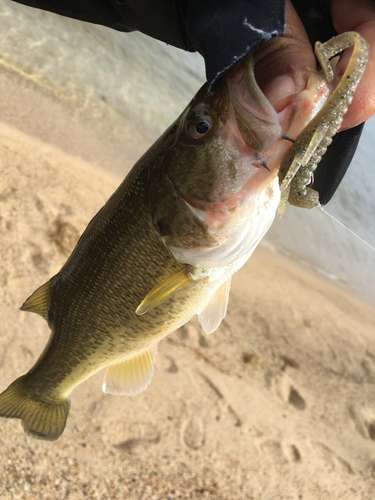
[[282, 62], [358, 16]]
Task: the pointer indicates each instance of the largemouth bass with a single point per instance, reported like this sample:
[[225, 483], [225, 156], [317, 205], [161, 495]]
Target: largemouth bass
[[164, 246]]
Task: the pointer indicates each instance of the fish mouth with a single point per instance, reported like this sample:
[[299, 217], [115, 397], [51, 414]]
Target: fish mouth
[[253, 124]]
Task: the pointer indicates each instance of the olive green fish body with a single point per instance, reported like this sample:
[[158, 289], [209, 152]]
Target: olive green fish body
[[162, 249], [93, 298], [92, 301]]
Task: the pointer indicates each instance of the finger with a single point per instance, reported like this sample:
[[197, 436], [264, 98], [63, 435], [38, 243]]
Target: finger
[[358, 16]]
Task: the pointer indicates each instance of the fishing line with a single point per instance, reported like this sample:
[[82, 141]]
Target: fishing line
[[343, 225]]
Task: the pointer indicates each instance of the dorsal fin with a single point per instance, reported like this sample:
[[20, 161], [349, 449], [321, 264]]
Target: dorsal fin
[[38, 302], [214, 312], [131, 376]]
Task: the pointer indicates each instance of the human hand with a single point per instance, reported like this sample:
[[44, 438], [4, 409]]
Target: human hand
[[282, 61], [360, 17]]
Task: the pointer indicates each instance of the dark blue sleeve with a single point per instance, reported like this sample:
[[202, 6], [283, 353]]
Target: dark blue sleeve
[[223, 31]]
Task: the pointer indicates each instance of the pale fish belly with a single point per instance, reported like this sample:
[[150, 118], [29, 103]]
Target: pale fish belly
[[247, 227]]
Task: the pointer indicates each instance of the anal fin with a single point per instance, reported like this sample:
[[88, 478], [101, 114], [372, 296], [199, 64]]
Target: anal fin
[[131, 376], [214, 312]]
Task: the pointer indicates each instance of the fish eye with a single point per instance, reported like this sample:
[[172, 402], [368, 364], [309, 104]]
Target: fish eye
[[200, 126]]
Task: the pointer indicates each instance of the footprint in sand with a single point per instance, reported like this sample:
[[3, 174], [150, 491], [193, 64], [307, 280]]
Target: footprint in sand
[[237, 420], [282, 386], [331, 459], [173, 368], [368, 366], [294, 453], [39, 260], [131, 435], [129, 444], [64, 235], [364, 421], [192, 432], [274, 450], [280, 453]]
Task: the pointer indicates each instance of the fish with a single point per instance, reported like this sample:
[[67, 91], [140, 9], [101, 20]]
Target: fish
[[164, 247]]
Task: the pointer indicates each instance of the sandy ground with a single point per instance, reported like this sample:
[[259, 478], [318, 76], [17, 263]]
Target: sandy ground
[[277, 404]]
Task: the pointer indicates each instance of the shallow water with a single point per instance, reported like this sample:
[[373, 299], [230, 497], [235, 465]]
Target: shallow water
[[122, 76], [138, 86]]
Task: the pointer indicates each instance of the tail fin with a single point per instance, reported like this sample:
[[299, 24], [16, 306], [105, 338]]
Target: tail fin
[[41, 420]]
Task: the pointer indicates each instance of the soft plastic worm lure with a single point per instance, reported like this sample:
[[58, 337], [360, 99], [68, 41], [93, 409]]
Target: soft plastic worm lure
[[307, 150]]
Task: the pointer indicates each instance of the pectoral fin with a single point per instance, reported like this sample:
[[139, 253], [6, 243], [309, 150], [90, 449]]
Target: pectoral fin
[[214, 312], [167, 289], [39, 300], [131, 376]]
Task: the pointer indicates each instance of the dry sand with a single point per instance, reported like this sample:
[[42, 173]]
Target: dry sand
[[277, 404]]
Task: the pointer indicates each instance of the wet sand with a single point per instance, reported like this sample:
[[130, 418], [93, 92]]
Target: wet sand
[[278, 403]]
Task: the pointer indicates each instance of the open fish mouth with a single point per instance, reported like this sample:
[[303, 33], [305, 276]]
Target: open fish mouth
[[253, 125]]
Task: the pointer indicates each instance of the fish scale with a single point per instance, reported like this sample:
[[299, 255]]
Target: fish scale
[[87, 324]]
